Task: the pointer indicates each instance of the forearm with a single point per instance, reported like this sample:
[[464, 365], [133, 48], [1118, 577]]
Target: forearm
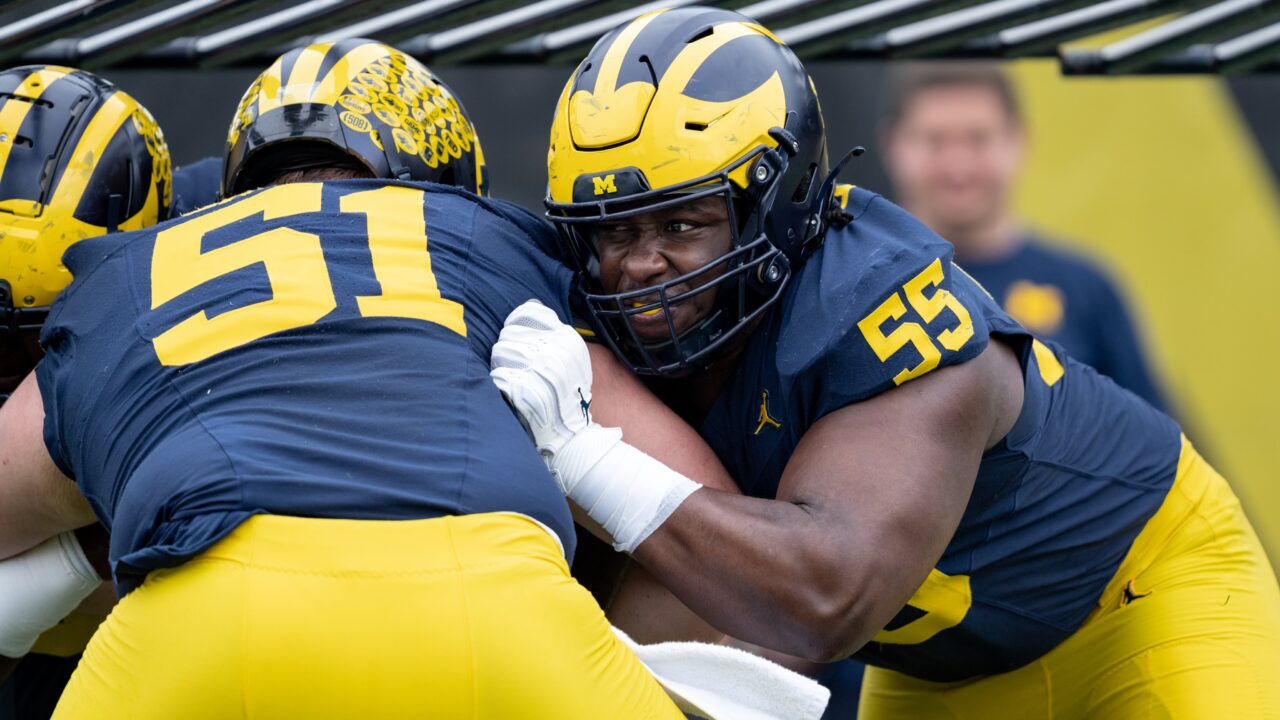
[[648, 611], [37, 501], [808, 668], [763, 572], [24, 525]]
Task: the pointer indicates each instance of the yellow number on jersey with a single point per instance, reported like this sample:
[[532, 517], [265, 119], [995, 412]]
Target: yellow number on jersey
[[301, 291], [929, 307], [913, 333], [398, 244], [908, 332], [944, 599], [300, 287]]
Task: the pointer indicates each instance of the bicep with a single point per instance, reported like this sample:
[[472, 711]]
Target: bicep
[[36, 500], [619, 399], [890, 477]]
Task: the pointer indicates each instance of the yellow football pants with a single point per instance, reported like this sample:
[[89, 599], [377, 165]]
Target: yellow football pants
[[1197, 635], [456, 617]]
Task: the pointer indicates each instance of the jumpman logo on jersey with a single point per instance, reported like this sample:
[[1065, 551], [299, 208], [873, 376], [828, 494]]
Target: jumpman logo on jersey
[[764, 414], [585, 404]]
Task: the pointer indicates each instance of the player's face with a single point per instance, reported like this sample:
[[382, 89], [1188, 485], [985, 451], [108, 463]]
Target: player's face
[[954, 155], [657, 247]]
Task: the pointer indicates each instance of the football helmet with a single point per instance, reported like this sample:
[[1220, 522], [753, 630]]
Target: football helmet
[[675, 106], [78, 158], [352, 102]]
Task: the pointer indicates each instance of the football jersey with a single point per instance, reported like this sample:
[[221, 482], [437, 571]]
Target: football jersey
[[315, 350], [1056, 503], [196, 185]]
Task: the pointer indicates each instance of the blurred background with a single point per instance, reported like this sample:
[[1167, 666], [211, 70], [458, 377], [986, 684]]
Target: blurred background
[[1169, 183]]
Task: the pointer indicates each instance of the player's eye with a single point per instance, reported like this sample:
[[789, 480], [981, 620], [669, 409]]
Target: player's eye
[[679, 226], [612, 233]]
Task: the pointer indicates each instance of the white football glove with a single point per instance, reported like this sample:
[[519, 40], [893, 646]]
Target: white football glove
[[542, 367]]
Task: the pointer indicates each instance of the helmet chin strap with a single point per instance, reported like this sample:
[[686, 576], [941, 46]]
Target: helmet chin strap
[[399, 170]]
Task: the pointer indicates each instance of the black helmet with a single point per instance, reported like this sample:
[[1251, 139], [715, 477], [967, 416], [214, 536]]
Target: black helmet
[[674, 106], [78, 158], [355, 102]]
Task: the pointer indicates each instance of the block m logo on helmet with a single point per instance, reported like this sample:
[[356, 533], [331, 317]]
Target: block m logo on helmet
[[604, 185]]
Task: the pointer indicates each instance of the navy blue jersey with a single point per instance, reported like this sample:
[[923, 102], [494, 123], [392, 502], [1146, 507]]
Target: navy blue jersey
[[1065, 298], [196, 185], [309, 350], [1056, 504]]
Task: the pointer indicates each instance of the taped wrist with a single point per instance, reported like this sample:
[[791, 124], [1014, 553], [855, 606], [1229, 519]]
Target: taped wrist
[[39, 588], [629, 493]]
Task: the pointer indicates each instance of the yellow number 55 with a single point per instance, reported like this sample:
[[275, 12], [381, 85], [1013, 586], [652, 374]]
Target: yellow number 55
[[928, 307]]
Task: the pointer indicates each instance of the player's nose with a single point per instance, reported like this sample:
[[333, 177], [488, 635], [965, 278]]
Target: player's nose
[[644, 258]]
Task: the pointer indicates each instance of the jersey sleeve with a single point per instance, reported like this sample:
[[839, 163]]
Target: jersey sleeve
[[88, 324], [48, 374], [508, 267], [907, 311], [196, 185]]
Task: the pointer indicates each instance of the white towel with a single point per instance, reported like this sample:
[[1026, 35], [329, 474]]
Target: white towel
[[724, 683]]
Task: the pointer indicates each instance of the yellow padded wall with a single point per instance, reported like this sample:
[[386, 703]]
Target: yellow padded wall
[[1161, 180]]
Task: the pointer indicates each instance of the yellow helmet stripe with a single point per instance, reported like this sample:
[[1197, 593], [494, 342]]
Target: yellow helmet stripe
[[269, 91], [611, 66], [302, 79], [693, 55], [764, 31], [336, 80], [93, 142], [13, 112]]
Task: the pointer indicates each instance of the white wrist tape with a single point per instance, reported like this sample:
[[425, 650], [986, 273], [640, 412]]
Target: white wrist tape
[[39, 588], [629, 493]]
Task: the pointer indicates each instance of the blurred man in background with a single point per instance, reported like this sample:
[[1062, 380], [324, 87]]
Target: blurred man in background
[[954, 143]]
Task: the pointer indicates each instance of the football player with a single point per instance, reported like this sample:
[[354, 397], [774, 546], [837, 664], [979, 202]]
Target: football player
[[319, 504], [78, 158], [999, 530]]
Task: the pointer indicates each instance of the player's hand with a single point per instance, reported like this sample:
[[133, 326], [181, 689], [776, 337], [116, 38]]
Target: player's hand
[[542, 367]]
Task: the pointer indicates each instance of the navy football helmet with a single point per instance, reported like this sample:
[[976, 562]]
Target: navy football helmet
[[675, 106], [354, 102]]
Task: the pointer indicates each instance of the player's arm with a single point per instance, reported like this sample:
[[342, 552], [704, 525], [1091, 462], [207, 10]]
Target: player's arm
[[865, 508], [44, 573], [642, 606], [36, 500], [620, 400], [866, 505]]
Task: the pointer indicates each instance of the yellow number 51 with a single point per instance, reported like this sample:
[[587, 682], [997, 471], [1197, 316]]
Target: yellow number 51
[[913, 333], [301, 290]]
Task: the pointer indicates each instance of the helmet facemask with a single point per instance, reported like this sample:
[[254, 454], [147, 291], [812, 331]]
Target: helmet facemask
[[746, 280]]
